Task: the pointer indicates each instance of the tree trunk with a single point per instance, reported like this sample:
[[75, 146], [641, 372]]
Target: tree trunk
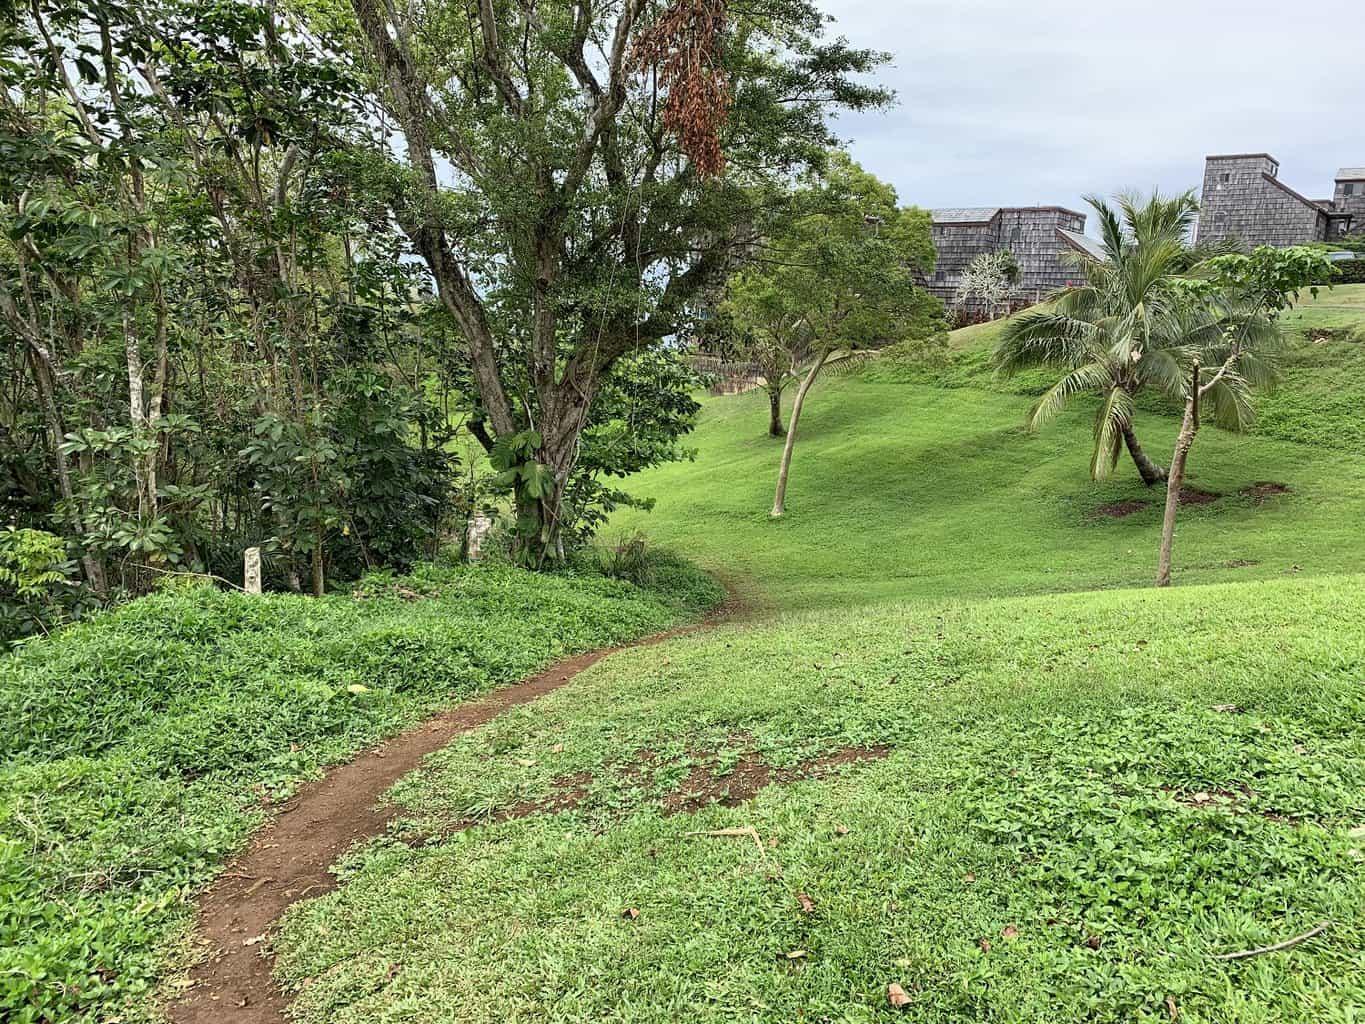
[[1189, 426], [774, 412], [1151, 473], [780, 498], [319, 580]]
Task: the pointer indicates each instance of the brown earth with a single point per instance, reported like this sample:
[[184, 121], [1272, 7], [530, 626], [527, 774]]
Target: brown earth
[[1119, 509], [1262, 489], [289, 858]]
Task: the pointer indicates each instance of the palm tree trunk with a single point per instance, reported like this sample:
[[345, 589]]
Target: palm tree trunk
[[1151, 473], [780, 498]]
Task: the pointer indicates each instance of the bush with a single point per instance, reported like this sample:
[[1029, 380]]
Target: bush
[[138, 746]]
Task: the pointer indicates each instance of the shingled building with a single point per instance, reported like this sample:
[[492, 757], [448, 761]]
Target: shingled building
[[1039, 237], [1244, 201]]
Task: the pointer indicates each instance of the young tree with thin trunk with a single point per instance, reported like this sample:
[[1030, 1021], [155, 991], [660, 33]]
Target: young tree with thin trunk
[[835, 281], [1230, 321]]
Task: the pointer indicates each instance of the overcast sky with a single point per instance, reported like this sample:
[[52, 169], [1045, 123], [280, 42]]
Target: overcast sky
[[1002, 103]]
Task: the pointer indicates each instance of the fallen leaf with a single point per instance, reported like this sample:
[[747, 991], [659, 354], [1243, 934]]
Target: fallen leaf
[[630, 913], [841, 830], [796, 954], [526, 762], [254, 940], [969, 878], [1357, 833], [357, 688], [1010, 933], [985, 945], [1094, 942], [558, 748], [896, 996], [1228, 709], [1171, 1008], [807, 904]]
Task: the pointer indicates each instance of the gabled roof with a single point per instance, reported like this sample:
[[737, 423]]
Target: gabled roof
[[1351, 174], [965, 215], [1083, 244], [1289, 191]]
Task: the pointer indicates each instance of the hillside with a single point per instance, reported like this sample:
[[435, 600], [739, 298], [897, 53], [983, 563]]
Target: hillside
[[910, 484]]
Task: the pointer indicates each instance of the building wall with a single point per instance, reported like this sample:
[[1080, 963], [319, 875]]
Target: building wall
[[1241, 205], [1352, 204], [1030, 235]]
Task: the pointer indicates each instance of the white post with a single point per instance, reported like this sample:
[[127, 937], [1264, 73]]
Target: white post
[[251, 574], [479, 527]]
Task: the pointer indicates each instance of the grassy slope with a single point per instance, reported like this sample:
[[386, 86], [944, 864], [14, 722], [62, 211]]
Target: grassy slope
[[911, 490], [1058, 769], [1067, 827], [138, 749]]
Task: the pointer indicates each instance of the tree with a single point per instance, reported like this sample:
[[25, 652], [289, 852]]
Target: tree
[[208, 330], [837, 281], [1110, 335], [988, 280], [1231, 325], [563, 184]]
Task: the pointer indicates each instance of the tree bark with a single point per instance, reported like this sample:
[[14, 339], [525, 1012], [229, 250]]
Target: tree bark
[[1189, 426], [1151, 473], [774, 412], [780, 498]]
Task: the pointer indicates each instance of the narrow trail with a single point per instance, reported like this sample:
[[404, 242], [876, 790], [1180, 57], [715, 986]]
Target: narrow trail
[[288, 859]]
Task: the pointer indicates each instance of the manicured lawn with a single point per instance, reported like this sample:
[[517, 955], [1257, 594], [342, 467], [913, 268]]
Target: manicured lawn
[[1071, 822], [140, 748]]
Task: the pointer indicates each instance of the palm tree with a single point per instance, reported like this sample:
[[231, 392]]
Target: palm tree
[[1126, 329]]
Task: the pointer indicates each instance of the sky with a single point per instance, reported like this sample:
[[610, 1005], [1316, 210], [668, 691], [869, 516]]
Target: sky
[[1003, 103]]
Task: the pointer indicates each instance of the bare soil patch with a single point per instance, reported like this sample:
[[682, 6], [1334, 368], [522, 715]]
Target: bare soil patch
[[1194, 496], [1120, 509], [1263, 489], [703, 786], [289, 859]]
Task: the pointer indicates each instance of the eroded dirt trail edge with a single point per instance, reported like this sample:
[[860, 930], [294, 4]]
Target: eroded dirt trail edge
[[288, 859]]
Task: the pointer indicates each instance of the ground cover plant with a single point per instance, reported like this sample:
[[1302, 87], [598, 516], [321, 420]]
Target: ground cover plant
[[139, 748], [1067, 807]]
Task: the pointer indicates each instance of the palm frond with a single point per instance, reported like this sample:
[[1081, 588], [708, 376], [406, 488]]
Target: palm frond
[[1114, 414], [1043, 338], [1232, 406], [1091, 377]]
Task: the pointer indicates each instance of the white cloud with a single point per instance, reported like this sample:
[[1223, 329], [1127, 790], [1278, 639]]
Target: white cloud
[[1014, 104]]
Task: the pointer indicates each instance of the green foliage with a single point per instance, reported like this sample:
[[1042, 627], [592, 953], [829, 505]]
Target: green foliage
[[1076, 814], [139, 747], [36, 590]]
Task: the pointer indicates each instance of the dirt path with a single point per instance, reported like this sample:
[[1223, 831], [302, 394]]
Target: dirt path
[[289, 858]]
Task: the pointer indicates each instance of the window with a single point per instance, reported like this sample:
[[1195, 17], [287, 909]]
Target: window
[[1016, 234], [1226, 178], [940, 277], [1348, 189]]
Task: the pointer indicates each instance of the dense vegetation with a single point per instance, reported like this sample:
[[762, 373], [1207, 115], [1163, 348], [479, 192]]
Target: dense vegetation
[[141, 747]]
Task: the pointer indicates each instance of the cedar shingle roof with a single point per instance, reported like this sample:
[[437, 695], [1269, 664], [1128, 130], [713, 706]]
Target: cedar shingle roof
[[965, 214]]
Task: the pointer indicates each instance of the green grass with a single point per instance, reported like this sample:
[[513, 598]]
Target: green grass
[[903, 492], [141, 747], [1061, 785]]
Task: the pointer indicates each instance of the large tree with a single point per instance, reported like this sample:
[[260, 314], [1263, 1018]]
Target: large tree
[[574, 175], [1111, 334]]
